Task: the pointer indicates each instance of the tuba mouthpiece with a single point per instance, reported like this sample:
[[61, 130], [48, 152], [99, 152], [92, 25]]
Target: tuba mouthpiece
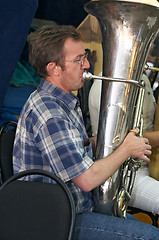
[[87, 76]]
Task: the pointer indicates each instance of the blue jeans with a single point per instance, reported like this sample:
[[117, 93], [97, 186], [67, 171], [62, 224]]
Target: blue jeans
[[97, 226]]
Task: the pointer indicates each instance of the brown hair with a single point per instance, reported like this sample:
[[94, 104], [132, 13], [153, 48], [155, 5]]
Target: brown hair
[[47, 45]]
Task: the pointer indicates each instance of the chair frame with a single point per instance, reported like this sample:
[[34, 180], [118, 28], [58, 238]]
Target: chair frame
[[56, 179], [6, 125], [4, 129]]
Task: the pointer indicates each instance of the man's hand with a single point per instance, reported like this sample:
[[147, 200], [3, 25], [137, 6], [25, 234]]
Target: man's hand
[[137, 147]]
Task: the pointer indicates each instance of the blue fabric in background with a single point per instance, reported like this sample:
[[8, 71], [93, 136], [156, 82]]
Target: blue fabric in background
[[14, 100], [15, 20], [68, 12]]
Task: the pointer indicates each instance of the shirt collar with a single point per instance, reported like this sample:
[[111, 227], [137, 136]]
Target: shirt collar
[[69, 99]]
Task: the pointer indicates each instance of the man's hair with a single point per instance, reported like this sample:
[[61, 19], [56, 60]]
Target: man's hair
[[47, 45]]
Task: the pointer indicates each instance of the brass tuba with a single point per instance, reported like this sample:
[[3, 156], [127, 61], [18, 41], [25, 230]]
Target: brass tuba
[[128, 30]]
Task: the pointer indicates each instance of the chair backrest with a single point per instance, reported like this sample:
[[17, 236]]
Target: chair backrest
[[7, 135], [36, 210]]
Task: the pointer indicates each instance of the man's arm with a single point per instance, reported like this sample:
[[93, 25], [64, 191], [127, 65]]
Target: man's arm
[[102, 169]]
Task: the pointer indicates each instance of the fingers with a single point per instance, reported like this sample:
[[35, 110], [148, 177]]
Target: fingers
[[147, 152], [145, 158], [140, 147], [148, 146], [136, 131]]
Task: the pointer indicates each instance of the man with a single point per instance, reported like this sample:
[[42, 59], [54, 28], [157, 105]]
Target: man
[[51, 135]]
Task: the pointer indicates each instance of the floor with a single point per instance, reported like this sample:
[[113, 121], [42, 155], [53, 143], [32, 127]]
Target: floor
[[142, 217]]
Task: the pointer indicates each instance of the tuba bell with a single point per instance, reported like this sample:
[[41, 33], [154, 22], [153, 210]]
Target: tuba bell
[[128, 30]]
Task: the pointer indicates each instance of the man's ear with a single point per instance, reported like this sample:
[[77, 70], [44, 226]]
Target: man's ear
[[53, 69]]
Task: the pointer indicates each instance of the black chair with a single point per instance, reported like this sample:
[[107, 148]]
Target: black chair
[[7, 135], [32, 210]]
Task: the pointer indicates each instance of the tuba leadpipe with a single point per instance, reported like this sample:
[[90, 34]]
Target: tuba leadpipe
[[147, 67], [128, 30]]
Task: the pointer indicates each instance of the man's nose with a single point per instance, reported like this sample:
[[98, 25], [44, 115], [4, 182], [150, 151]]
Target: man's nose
[[86, 64]]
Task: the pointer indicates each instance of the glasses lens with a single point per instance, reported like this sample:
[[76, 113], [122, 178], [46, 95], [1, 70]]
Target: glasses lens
[[84, 58]]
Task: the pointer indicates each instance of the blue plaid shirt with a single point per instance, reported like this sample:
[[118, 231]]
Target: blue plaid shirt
[[50, 135]]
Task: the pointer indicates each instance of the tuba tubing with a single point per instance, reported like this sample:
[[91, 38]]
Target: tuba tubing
[[128, 30]]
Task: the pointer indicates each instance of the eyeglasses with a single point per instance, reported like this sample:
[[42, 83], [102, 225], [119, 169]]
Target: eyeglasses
[[81, 61]]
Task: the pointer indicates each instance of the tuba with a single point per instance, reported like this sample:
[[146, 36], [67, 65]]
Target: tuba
[[128, 30]]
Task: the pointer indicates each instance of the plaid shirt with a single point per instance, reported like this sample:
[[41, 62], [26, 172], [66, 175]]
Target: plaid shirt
[[50, 135]]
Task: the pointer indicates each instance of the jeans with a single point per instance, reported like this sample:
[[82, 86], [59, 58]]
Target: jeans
[[97, 226]]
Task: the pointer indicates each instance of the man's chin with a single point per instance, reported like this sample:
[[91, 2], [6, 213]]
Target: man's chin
[[79, 86]]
